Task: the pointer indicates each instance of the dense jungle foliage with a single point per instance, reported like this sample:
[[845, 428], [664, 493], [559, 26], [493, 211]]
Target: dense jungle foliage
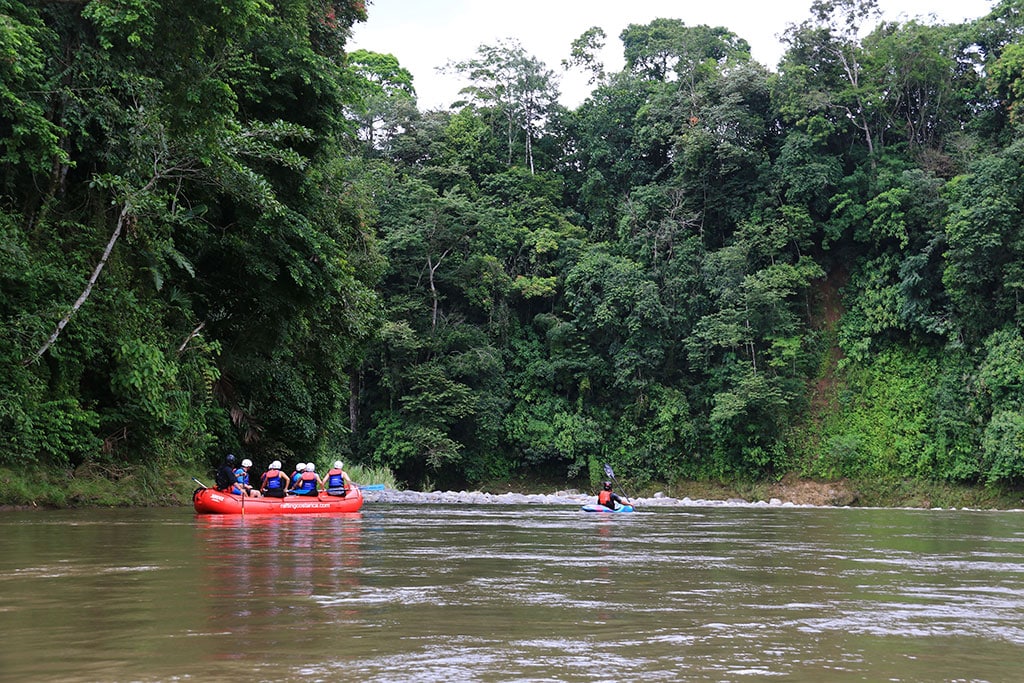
[[221, 231]]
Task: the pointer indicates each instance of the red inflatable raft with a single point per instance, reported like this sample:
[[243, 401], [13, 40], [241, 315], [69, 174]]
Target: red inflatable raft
[[209, 501]]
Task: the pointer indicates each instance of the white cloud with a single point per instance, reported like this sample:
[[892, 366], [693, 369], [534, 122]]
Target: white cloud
[[426, 34]]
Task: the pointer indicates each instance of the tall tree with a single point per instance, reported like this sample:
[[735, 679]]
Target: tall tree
[[583, 54], [520, 88], [826, 59], [387, 98]]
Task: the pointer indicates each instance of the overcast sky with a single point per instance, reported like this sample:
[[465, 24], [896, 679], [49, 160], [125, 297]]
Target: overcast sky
[[426, 34]]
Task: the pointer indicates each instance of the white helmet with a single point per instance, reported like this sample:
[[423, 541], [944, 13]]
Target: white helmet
[[310, 467], [247, 463], [276, 465], [300, 467], [338, 465]]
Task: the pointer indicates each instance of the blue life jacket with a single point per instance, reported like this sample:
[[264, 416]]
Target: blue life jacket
[[335, 479], [272, 480], [307, 484]]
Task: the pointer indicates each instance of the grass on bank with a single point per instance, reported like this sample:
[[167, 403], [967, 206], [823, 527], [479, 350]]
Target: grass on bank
[[93, 486]]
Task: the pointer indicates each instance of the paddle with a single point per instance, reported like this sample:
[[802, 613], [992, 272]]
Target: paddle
[[200, 483], [611, 475], [371, 487]]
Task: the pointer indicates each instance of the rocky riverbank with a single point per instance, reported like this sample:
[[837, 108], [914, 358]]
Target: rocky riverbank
[[789, 492], [569, 497]]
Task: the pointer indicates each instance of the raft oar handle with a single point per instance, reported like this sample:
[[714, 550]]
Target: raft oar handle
[[200, 483]]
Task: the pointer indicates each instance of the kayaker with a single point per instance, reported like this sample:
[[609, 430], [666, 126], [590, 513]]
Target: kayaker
[[224, 479], [336, 480], [609, 498], [274, 482], [309, 483], [242, 484]]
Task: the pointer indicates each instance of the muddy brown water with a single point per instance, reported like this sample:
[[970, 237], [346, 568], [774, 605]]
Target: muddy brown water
[[497, 593]]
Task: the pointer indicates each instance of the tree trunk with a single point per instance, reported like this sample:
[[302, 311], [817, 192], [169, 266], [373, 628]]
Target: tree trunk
[[353, 402], [88, 288], [435, 301]]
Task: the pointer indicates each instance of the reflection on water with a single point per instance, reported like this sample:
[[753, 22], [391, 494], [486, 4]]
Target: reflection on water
[[263, 568], [420, 593]]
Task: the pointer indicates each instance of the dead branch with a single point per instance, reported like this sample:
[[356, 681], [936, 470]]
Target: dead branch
[[88, 288], [193, 335]]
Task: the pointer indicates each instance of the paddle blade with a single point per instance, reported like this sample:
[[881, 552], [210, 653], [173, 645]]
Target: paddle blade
[[608, 471]]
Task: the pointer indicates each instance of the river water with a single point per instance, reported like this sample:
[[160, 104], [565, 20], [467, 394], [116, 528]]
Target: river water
[[496, 593]]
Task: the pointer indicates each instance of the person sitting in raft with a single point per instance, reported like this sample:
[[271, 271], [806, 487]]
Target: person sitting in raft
[[609, 498], [242, 479], [336, 480], [293, 478], [224, 479], [274, 482], [309, 483]]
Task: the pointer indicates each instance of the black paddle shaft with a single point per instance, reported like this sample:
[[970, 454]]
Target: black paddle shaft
[[611, 475]]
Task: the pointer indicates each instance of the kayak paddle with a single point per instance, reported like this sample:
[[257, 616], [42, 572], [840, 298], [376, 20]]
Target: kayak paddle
[[611, 475]]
